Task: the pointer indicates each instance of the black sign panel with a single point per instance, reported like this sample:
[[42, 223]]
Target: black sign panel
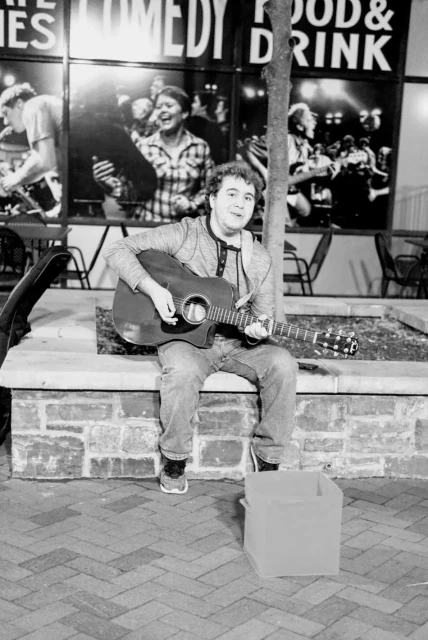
[[334, 35], [31, 27]]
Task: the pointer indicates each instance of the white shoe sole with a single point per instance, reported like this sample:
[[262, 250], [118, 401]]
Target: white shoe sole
[[177, 491]]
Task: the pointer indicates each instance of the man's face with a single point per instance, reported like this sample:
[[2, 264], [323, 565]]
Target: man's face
[[196, 105], [233, 206], [309, 123], [13, 116], [156, 86]]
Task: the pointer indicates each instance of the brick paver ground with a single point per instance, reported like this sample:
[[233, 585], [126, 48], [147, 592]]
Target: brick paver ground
[[118, 559]]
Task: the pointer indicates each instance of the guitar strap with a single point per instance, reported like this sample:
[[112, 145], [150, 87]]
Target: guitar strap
[[247, 241]]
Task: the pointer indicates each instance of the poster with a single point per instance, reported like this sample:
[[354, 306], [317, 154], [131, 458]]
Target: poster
[[340, 148], [30, 97], [116, 122]]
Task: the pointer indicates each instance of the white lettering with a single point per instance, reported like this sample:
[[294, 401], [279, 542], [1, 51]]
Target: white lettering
[[297, 11], [109, 25], [302, 42], [194, 50], [21, 3], [44, 4], [327, 15], [36, 21], [375, 20], [349, 51], [219, 9], [256, 36], [172, 12], [259, 11], [83, 10], [14, 25], [148, 23], [341, 21], [320, 48], [373, 52]]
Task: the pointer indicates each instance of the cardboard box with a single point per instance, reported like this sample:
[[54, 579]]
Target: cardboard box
[[292, 523]]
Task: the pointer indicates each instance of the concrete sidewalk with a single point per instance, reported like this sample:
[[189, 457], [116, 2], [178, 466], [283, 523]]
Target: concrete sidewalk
[[110, 559]]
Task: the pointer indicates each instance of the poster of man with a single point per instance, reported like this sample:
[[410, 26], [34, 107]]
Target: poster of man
[[340, 149], [31, 110]]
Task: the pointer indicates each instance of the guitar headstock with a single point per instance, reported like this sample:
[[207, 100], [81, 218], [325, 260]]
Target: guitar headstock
[[347, 345]]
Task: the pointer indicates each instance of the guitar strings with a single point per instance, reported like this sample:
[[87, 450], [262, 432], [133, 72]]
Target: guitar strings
[[291, 328]]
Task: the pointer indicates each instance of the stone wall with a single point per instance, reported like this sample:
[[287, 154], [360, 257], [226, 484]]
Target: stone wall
[[72, 434]]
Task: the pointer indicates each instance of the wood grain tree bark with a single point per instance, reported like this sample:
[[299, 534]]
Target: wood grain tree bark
[[277, 76]]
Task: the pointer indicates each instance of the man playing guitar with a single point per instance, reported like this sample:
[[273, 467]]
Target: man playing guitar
[[216, 246], [40, 116]]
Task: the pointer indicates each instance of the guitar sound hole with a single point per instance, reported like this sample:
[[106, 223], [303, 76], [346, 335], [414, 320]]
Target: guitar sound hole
[[195, 309]]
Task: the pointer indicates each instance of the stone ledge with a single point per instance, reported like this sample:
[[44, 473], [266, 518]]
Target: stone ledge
[[27, 367], [63, 322]]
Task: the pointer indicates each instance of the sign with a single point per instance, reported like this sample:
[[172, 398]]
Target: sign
[[193, 32], [31, 27], [334, 35]]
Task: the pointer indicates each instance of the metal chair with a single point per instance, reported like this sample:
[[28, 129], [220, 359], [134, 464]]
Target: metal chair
[[80, 271], [14, 258], [34, 219], [307, 273], [405, 270]]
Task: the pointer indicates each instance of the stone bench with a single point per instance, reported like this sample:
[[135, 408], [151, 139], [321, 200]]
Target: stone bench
[[79, 414]]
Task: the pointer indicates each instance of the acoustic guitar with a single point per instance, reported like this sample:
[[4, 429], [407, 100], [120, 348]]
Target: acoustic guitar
[[201, 304]]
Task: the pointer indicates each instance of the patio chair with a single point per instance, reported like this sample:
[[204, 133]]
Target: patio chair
[[307, 273], [14, 314], [80, 271], [14, 258], [406, 270]]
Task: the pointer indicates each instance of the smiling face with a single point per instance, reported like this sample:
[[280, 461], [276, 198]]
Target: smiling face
[[232, 206], [170, 114], [13, 116]]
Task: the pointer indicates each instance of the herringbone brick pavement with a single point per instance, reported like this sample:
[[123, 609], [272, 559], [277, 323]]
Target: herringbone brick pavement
[[118, 559]]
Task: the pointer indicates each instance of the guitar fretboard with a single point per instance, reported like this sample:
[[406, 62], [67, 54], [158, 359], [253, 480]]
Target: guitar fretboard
[[235, 318]]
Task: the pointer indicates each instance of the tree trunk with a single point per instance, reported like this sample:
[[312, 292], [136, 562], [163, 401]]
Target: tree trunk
[[277, 76]]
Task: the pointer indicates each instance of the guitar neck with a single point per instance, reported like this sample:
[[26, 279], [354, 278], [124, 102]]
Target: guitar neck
[[224, 316], [307, 175]]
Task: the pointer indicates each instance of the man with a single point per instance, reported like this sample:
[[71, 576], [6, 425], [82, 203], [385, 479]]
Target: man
[[216, 245], [301, 129], [202, 125], [40, 116]]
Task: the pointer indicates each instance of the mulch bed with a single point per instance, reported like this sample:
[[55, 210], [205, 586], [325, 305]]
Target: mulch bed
[[379, 338]]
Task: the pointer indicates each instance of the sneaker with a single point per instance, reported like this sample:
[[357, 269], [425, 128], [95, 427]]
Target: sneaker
[[261, 465], [173, 479]]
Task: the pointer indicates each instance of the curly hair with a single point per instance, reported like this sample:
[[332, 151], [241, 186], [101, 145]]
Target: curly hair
[[234, 169], [11, 95]]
